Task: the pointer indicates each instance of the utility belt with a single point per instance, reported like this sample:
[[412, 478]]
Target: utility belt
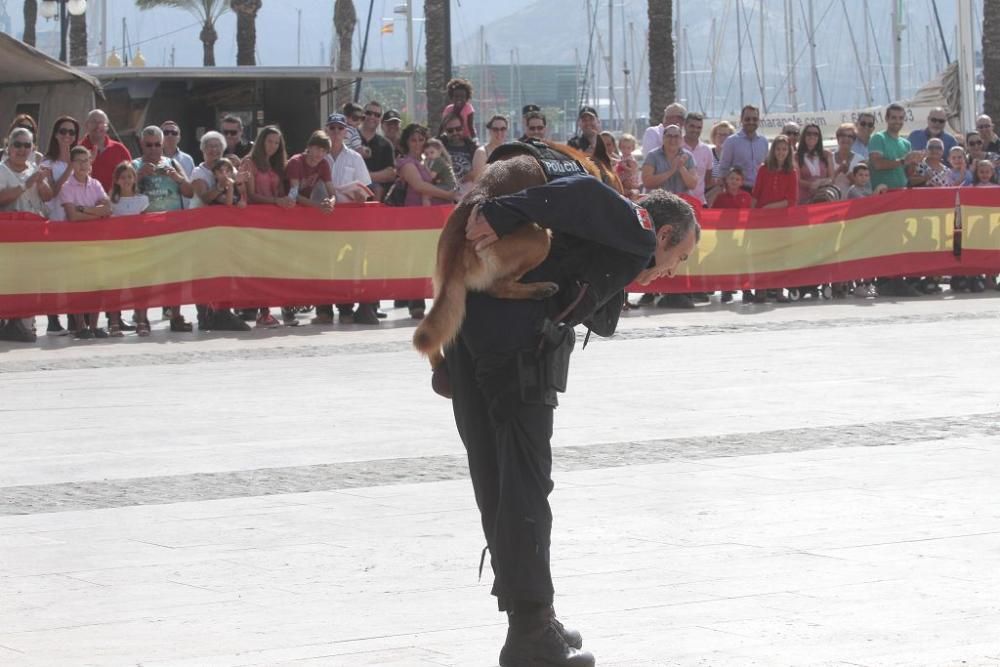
[[543, 371]]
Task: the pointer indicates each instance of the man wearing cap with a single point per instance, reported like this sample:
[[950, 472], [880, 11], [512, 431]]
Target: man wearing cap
[[392, 128], [673, 114], [351, 183], [534, 126], [525, 110], [589, 127]]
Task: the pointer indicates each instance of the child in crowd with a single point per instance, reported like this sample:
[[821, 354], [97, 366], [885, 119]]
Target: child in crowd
[[627, 168], [83, 198], [355, 115], [126, 201], [233, 185], [863, 184], [959, 162], [460, 97], [985, 174], [438, 162], [734, 196]]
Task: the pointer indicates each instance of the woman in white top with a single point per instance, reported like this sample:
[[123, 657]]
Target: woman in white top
[[65, 132], [213, 144], [24, 188], [497, 128], [815, 163]]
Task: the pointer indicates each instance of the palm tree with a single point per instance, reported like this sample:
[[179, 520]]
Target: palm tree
[[437, 33], [207, 11], [30, 19], [78, 40], [662, 78], [991, 58], [246, 30], [344, 20]]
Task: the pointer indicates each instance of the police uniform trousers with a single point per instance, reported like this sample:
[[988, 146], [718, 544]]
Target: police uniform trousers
[[509, 452]]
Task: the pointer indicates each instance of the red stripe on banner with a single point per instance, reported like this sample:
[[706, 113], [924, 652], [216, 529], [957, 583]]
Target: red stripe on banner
[[979, 261], [980, 196], [239, 292], [910, 264], [27, 228], [907, 201]]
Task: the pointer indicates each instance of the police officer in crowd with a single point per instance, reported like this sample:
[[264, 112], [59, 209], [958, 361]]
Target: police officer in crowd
[[511, 357]]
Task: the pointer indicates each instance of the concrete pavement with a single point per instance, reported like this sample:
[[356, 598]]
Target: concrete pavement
[[808, 484]]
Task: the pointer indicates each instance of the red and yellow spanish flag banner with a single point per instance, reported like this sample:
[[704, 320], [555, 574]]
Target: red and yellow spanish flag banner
[[980, 230], [902, 233], [263, 255], [257, 256]]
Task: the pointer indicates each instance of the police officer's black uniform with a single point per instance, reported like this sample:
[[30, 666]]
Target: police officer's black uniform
[[505, 390]]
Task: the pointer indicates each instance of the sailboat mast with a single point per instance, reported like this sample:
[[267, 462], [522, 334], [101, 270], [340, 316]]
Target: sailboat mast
[[897, 49], [813, 74]]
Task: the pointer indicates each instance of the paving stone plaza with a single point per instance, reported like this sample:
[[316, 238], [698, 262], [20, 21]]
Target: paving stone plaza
[[814, 484]]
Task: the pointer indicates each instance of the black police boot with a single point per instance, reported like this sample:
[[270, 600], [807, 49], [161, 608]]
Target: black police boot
[[534, 638]]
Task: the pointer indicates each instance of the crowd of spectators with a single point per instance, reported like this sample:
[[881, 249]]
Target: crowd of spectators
[[365, 153]]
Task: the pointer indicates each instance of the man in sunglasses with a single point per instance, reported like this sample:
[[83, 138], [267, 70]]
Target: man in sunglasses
[[984, 125], [380, 160], [232, 130], [937, 120], [172, 137], [105, 151], [865, 126], [461, 149]]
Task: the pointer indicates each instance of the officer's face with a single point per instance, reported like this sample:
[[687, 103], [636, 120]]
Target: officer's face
[[668, 258]]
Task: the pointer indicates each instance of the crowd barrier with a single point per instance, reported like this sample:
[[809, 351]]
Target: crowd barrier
[[263, 255]]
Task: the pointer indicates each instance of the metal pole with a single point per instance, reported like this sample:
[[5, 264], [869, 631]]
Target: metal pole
[[298, 40], [611, 60], [966, 65], [793, 100], [868, 54], [813, 74], [763, 70], [411, 70], [63, 29], [897, 49], [104, 33], [739, 48]]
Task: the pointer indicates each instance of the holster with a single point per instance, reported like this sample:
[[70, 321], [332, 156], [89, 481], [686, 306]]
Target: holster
[[544, 370]]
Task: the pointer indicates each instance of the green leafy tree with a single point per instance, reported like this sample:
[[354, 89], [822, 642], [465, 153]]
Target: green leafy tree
[[207, 11]]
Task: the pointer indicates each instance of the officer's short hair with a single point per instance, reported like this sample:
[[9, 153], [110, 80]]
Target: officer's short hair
[[669, 209], [533, 115]]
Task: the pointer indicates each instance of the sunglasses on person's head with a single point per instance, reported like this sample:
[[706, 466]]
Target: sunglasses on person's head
[[453, 130], [67, 131], [156, 145], [373, 114], [172, 133], [230, 133], [20, 144]]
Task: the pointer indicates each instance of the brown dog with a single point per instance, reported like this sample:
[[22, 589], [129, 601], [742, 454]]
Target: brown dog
[[497, 268]]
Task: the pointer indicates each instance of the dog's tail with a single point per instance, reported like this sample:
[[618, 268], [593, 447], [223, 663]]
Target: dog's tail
[[443, 320]]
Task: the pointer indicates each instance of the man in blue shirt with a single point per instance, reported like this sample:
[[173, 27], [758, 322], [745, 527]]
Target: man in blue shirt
[[746, 149], [936, 121]]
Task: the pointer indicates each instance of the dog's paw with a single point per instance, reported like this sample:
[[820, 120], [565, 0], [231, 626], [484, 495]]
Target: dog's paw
[[545, 290]]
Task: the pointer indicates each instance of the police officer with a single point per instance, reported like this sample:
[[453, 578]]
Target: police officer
[[511, 357]]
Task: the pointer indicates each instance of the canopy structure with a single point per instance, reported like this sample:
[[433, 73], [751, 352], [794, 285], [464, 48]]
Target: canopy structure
[[32, 82]]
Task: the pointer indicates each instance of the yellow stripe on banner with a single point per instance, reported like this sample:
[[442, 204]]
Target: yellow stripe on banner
[[980, 228], [750, 251], [85, 266]]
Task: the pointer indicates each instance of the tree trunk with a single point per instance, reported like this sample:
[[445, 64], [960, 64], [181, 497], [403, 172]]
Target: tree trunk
[[437, 33], [30, 19], [246, 30], [662, 77], [208, 37], [344, 20], [991, 58], [78, 40]]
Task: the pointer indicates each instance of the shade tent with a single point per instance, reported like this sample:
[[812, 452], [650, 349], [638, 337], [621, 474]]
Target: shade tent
[[32, 82]]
